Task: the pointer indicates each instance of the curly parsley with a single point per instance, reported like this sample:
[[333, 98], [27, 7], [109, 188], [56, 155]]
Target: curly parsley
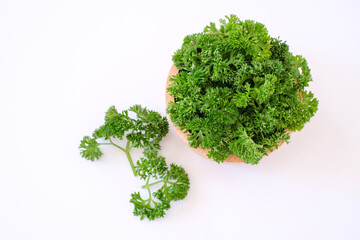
[[145, 131], [239, 90]]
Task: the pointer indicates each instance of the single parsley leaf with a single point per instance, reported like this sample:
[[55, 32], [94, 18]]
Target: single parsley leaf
[[89, 149]]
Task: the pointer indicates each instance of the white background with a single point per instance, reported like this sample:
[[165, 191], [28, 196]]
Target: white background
[[63, 63]]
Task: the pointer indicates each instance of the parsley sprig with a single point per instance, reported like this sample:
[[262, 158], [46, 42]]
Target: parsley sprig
[[144, 131], [239, 90]]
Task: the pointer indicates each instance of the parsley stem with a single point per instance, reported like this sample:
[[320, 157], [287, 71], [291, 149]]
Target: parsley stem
[[116, 145], [151, 184], [147, 180], [131, 162], [154, 183], [149, 191], [127, 152]]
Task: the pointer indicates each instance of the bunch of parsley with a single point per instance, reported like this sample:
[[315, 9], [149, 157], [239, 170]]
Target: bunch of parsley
[[143, 131], [239, 90]]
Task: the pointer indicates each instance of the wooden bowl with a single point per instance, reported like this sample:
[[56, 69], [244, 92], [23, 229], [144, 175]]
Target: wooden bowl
[[183, 136]]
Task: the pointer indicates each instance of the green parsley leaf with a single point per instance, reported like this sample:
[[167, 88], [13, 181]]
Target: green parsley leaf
[[89, 149]]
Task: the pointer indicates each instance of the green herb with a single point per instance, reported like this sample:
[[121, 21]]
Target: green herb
[[239, 90], [145, 131]]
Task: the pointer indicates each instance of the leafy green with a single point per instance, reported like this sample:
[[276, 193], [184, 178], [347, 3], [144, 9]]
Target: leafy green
[[239, 90], [144, 131], [175, 186], [90, 148]]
